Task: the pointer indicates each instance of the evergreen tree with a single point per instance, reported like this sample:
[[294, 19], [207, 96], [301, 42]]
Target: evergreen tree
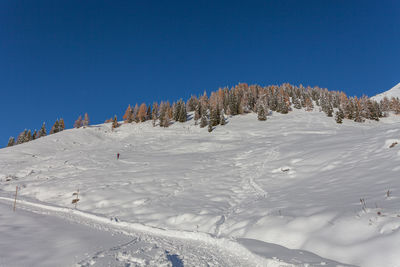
[[192, 103], [115, 123], [61, 125], [197, 113], [176, 109], [329, 111], [261, 113], [214, 117], [338, 117], [55, 128], [42, 132], [86, 120], [167, 119], [163, 112], [210, 128], [28, 136], [34, 135], [148, 113], [11, 141], [203, 121], [78, 122], [21, 137], [222, 120], [296, 103], [182, 112], [154, 113], [233, 104]]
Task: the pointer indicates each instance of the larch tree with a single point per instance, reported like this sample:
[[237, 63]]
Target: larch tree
[[128, 116], [135, 113], [11, 141], [142, 112], [86, 120], [154, 113], [78, 122]]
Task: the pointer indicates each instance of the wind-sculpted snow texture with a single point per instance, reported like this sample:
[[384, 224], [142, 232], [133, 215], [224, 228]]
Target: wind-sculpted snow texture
[[295, 180]]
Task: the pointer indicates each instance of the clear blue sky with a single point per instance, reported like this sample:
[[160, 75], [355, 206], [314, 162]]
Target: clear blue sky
[[65, 58]]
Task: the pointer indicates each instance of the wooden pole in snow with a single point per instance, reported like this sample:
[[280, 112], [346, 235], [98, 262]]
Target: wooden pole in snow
[[15, 200]]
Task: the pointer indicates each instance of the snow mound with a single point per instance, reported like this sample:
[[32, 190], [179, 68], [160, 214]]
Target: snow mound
[[394, 92]]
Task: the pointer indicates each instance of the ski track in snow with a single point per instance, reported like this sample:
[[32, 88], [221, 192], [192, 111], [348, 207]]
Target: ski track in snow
[[152, 246]]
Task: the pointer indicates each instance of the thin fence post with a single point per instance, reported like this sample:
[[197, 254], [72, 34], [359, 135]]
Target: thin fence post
[[15, 200]]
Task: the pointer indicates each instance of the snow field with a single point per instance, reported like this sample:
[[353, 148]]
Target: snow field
[[295, 180]]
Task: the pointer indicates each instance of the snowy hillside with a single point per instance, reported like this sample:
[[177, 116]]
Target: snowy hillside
[[250, 193], [393, 92]]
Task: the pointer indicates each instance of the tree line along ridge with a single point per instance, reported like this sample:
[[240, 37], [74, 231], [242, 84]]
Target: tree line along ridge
[[211, 111]]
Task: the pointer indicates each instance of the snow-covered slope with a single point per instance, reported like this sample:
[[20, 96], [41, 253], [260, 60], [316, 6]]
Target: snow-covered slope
[[393, 92], [295, 180]]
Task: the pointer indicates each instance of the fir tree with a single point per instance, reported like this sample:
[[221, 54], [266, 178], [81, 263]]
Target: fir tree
[[21, 137], [167, 119], [233, 104], [11, 141], [214, 118], [163, 112], [55, 128], [296, 103], [61, 125], [197, 113], [148, 113], [154, 113], [222, 120], [329, 111], [338, 118], [115, 123], [261, 113], [182, 112], [210, 128], [42, 132], [203, 121], [34, 135], [192, 103]]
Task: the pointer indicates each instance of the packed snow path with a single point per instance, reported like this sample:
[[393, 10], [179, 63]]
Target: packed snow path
[[121, 243], [295, 180]]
